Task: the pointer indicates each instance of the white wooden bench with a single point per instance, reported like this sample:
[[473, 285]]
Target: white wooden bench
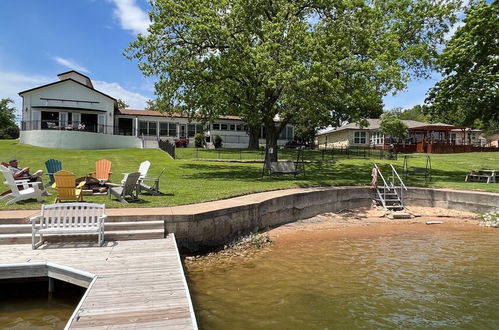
[[69, 219], [283, 167], [487, 176]]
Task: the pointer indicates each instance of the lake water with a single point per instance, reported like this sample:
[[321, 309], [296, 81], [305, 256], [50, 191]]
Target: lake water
[[445, 279], [27, 305]]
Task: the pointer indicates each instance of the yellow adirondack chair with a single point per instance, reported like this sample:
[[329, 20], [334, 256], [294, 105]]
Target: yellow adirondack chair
[[102, 170], [66, 189]]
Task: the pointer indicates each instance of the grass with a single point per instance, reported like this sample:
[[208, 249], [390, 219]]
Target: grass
[[188, 180]]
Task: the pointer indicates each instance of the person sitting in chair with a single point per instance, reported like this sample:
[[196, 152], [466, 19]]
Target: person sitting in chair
[[23, 174]]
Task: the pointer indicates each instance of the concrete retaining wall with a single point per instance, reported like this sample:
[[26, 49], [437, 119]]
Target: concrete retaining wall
[[199, 230], [78, 140]]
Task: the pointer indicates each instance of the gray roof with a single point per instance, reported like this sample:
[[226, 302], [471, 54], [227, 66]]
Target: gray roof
[[374, 124]]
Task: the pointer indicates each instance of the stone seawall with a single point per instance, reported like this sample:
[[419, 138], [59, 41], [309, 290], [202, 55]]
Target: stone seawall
[[208, 225]]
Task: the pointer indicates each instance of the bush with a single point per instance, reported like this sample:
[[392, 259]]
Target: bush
[[199, 140], [10, 132], [217, 141], [181, 142]]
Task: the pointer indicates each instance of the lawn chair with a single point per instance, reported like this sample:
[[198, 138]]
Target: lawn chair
[[129, 188], [53, 166], [30, 189], [143, 169], [153, 188], [65, 183], [102, 170]]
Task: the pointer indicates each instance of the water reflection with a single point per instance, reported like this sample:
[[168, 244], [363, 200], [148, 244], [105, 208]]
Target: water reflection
[[442, 279], [28, 305]]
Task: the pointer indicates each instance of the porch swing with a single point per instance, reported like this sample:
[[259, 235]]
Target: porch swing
[[412, 170]]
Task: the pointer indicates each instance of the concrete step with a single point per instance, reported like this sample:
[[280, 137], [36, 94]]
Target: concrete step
[[115, 235], [134, 225], [15, 228]]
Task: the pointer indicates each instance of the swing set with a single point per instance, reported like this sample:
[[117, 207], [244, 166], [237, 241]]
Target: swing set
[[283, 166], [414, 170]]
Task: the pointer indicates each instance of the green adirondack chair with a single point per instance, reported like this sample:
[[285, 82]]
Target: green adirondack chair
[[53, 166]]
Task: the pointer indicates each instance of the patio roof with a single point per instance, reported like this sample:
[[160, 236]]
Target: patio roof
[[55, 107], [436, 127]]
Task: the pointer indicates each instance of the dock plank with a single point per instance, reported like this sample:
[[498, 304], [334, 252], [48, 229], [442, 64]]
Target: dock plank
[[140, 284]]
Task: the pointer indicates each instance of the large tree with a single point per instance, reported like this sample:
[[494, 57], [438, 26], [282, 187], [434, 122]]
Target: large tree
[[468, 94], [275, 62], [8, 126]]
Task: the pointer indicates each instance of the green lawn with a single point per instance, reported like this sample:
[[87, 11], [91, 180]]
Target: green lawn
[[187, 180]]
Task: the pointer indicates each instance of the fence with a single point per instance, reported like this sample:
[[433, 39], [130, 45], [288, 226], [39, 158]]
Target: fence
[[167, 147], [311, 155]]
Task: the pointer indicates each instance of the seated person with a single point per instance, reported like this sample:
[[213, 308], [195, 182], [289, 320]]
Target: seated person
[[23, 174]]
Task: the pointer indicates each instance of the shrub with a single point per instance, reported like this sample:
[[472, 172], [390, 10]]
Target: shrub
[[181, 142], [217, 141], [9, 132], [491, 219], [199, 140]]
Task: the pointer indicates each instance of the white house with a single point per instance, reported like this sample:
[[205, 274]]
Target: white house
[[71, 114]]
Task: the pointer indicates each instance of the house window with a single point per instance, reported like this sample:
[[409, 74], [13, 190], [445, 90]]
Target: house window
[[239, 128], [199, 128], [377, 138], [223, 127], [215, 127], [163, 129], [172, 129], [232, 127], [143, 127], [153, 128], [289, 133], [191, 130], [359, 138]]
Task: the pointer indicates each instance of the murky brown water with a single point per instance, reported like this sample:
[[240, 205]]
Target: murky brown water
[[27, 305], [446, 279]]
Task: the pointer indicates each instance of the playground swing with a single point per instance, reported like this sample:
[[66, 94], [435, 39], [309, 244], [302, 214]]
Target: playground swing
[[283, 166], [417, 171]]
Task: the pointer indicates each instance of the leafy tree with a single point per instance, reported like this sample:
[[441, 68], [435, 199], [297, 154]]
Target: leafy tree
[[304, 60], [393, 127], [8, 127], [470, 66], [416, 113], [121, 104]]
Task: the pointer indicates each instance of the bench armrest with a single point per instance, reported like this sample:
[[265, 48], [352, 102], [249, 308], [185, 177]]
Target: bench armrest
[[102, 219], [34, 220], [81, 184]]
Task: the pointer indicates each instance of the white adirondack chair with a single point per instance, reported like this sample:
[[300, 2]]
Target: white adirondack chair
[[143, 169], [31, 189]]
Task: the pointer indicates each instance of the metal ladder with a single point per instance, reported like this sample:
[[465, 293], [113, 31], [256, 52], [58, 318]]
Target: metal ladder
[[391, 194]]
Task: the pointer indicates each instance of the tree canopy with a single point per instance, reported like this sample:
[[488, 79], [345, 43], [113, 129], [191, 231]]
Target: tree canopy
[[8, 127], [468, 94], [277, 62], [416, 113], [393, 127]]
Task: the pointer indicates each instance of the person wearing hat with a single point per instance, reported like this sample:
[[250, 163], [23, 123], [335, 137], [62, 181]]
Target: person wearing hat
[[23, 174]]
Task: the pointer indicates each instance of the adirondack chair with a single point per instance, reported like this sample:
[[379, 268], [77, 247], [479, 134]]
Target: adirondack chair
[[53, 166], [65, 183], [102, 170], [31, 189], [153, 187], [129, 188], [143, 169]]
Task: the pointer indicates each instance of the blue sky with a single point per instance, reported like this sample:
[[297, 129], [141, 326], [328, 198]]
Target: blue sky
[[39, 39]]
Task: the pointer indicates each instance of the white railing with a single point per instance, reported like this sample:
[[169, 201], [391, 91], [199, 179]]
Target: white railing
[[390, 187]]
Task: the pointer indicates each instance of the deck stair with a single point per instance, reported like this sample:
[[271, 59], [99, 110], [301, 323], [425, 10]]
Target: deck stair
[[390, 195], [117, 228]]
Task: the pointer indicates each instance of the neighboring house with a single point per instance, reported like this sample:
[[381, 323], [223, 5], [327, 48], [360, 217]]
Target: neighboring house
[[492, 140], [72, 114], [353, 135]]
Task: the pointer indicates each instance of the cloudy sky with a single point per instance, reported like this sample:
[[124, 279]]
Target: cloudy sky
[[40, 39]]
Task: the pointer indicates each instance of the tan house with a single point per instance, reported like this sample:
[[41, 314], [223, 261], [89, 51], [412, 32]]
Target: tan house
[[420, 135]]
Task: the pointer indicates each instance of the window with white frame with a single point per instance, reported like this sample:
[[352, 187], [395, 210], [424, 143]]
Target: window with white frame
[[359, 138], [377, 138], [215, 127]]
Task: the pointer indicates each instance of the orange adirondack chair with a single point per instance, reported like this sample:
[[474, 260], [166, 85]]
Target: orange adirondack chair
[[66, 189], [102, 170]]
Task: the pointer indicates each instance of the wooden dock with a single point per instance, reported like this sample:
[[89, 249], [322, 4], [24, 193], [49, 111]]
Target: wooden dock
[[132, 284]]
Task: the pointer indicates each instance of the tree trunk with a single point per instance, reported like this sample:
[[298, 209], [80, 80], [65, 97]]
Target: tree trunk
[[271, 135], [254, 132]]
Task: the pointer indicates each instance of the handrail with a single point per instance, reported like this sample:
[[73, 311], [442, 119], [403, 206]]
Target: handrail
[[379, 172], [398, 177]]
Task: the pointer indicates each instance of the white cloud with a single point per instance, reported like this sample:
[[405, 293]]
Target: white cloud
[[11, 83], [70, 64], [131, 16], [134, 100]]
